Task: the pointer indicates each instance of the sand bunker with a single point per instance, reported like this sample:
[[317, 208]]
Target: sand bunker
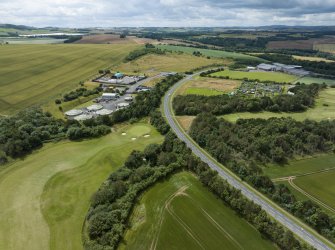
[[123, 133], [133, 139], [146, 136]]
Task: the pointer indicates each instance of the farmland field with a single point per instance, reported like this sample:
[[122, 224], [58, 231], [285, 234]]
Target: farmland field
[[31, 40], [208, 86], [312, 59], [261, 76], [324, 109], [310, 80], [182, 214], [309, 178], [330, 47], [202, 91], [32, 74], [45, 197], [153, 64], [209, 52], [301, 166]]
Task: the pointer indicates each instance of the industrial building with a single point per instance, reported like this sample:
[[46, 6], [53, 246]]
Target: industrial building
[[290, 69], [109, 96]]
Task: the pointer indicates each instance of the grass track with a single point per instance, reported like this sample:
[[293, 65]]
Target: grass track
[[32, 74], [44, 198], [181, 214]]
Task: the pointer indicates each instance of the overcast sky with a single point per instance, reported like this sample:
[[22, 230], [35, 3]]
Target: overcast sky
[[116, 13]]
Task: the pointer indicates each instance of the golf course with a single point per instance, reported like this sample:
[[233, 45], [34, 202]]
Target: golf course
[[45, 197], [31, 75], [182, 214]]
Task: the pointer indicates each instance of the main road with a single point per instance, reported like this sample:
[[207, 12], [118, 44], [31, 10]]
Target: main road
[[233, 180]]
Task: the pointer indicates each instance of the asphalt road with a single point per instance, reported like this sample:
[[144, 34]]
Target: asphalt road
[[269, 208]]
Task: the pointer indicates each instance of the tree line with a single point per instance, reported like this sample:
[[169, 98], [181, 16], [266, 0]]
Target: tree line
[[320, 67], [72, 95], [112, 204], [29, 129], [149, 49], [250, 143], [303, 98]]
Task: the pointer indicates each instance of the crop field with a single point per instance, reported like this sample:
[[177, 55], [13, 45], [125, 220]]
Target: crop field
[[326, 47], [310, 80], [209, 52], [208, 86], [182, 214], [261, 76], [153, 64], [309, 178], [33, 74], [313, 43], [312, 59], [31, 40], [324, 110], [45, 197]]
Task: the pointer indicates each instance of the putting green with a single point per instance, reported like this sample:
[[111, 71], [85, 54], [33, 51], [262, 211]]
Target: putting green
[[45, 197]]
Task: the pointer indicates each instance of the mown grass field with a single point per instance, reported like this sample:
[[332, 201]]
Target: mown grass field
[[209, 52], [261, 76], [182, 214], [153, 64], [202, 91], [310, 80], [45, 197], [324, 109], [33, 74]]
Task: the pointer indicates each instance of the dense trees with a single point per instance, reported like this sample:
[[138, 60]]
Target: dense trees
[[112, 204], [145, 102], [80, 92], [245, 145], [29, 129], [224, 104], [149, 49]]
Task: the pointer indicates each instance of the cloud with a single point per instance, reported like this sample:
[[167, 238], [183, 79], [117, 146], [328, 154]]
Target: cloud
[[113, 13]]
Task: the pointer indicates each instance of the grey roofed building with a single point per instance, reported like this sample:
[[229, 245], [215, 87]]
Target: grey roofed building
[[266, 67]]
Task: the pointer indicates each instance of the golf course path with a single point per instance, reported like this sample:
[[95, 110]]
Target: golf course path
[[273, 210]]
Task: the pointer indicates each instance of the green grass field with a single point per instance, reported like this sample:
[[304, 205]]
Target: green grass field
[[320, 186], [45, 197], [310, 80], [301, 166], [209, 52], [202, 91], [33, 74], [319, 112], [153, 64], [182, 214], [261, 76], [309, 179]]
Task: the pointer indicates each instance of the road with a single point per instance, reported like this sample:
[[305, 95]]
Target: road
[[112, 105], [232, 180]]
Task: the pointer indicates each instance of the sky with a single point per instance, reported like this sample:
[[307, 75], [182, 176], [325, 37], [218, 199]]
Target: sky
[[163, 13]]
